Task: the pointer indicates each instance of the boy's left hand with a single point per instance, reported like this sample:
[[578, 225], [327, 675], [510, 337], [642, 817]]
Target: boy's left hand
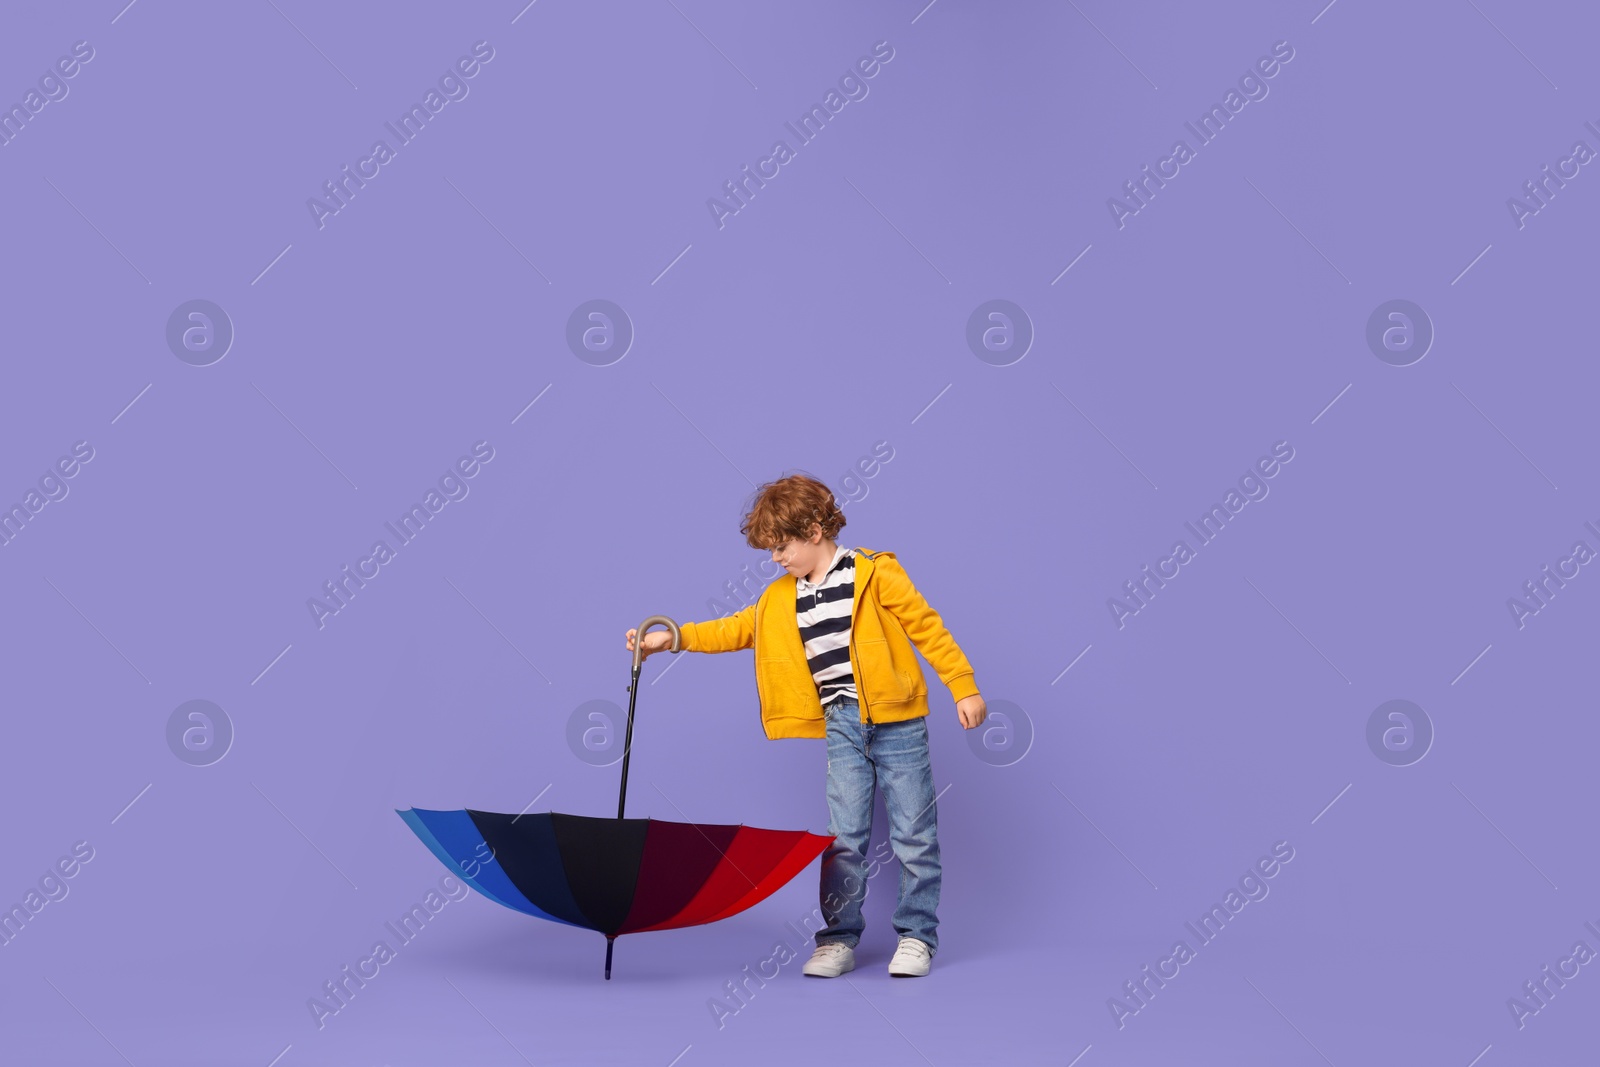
[[972, 711]]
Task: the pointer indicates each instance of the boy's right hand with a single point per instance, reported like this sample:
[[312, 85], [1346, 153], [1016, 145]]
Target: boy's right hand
[[654, 641]]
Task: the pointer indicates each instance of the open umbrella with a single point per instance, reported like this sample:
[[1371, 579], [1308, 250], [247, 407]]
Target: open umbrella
[[617, 876]]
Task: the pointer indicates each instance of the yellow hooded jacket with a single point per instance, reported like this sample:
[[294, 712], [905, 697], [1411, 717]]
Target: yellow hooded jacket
[[887, 616]]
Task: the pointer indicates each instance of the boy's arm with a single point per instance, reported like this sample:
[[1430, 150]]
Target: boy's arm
[[727, 634], [923, 625]]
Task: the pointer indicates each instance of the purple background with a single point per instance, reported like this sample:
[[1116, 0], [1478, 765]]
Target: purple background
[[829, 314]]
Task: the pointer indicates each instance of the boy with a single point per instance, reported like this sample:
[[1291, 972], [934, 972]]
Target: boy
[[833, 641]]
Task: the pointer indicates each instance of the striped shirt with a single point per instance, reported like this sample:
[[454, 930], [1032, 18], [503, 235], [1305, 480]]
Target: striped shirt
[[822, 610]]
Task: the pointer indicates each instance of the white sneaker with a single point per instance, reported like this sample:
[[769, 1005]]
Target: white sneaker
[[911, 959], [830, 960]]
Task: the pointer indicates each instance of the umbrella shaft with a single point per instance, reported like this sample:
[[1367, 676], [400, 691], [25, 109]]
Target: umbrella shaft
[[627, 749]]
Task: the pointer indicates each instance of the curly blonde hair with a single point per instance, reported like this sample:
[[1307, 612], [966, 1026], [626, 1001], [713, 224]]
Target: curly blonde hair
[[791, 507]]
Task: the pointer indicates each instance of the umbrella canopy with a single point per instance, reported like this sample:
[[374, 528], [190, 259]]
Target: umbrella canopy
[[617, 876]]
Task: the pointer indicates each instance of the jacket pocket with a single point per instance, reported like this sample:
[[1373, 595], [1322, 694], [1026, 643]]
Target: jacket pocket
[[786, 696], [900, 664], [878, 677]]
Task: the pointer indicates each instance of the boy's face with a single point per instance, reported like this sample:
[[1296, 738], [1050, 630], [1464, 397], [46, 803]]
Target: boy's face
[[803, 557]]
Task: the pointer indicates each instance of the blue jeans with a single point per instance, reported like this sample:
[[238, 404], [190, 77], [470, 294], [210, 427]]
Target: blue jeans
[[893, 755]]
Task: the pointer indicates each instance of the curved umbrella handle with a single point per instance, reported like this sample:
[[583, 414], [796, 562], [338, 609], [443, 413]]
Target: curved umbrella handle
[[633, 696], [638, 638]]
